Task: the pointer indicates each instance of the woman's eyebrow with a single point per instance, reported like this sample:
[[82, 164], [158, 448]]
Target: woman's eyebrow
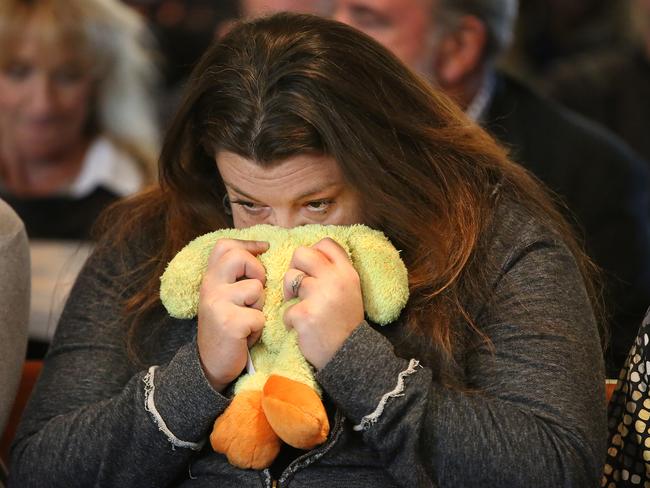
[[318, 189], [241, 192]]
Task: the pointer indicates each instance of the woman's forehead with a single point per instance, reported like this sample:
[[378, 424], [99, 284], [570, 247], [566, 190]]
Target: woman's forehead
[[300, 172]]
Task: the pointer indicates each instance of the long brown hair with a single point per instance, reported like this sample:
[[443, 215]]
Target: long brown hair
[[289, 84]]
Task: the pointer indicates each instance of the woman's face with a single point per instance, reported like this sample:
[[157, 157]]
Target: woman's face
[[303, 189], [44, 100]]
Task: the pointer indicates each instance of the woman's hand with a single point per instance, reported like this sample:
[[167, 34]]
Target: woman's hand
[[331, 305], [230, 309]]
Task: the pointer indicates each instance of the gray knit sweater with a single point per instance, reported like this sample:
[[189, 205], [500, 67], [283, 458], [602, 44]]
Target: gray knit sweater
[[532, 415]]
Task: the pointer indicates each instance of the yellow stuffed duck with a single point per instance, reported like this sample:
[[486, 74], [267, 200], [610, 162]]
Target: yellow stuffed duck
[[279, 399]]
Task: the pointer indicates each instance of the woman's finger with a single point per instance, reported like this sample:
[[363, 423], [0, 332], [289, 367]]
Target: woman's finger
[[309, 260], [332, 251], [247, 293], [296, 316], [296, 283], [254, 321], [253, 338], [222, 246], [234, 264], [239, 323]]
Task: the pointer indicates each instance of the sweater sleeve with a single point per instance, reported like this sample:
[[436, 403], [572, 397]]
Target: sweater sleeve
[[89, 421], [534, 412], [14, 305]]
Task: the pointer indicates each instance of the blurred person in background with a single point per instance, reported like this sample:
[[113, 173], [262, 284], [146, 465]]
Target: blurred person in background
[[255, 8], [628, 453], [183, 30], [249, 9], [613, 86], [551, 31], [77, 126], [456, 44]]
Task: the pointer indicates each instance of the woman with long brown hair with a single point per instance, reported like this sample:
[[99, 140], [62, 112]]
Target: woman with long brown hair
[[493, 374]]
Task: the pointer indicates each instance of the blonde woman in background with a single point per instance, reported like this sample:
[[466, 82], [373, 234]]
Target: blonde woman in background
[[77, 125], [77, 129]]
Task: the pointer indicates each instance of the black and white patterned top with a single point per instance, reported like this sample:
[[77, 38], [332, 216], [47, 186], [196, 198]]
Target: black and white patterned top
[[628, 455]]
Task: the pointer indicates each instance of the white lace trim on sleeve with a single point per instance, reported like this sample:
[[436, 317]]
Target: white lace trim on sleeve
[[150, 406], [372, 418]]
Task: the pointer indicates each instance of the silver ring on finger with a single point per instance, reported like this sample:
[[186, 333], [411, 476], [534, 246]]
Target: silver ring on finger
[[295, 284]]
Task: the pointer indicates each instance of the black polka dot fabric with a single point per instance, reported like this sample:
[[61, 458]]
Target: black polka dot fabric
[[628, 455]]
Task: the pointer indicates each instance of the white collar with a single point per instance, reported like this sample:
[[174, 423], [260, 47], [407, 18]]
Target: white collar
[[108, 166], [479, 104]]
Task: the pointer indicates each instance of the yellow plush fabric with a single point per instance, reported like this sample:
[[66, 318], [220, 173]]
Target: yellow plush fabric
[[384, 286]]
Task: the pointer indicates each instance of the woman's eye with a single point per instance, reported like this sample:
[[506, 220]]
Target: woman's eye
[[320, 206], [250, 207], [17, 71]]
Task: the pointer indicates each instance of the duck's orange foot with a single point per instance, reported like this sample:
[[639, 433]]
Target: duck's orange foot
[[295, 412], [244, 435]]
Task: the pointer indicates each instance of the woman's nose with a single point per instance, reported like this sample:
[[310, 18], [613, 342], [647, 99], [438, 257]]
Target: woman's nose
[[286, 219], [42, 97]]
